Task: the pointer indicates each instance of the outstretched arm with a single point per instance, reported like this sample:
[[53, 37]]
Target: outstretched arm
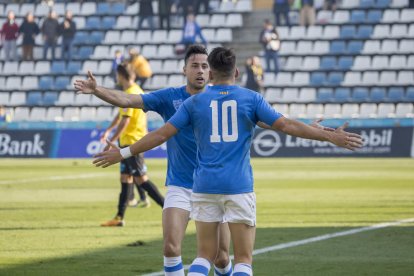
[[337, 137], [149, 141], [112, 96]]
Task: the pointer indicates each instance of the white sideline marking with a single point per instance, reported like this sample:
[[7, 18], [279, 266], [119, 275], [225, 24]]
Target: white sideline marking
[[53, 178], [314, 239]]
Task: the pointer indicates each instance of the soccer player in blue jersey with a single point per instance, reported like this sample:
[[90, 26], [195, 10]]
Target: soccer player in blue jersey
[[181, 152], [223, 119]]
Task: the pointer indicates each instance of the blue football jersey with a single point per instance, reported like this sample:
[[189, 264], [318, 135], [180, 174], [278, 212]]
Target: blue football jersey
[[223, 120], [181, 149]]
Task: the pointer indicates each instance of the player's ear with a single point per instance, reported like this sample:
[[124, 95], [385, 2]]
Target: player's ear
[[184, 71], [236, 73]]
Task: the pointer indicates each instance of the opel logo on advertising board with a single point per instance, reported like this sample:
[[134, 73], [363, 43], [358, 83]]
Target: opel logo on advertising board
[[266, 143]]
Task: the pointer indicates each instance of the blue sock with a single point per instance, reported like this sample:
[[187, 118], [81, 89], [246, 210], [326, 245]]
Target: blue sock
[[199, 267], [223, 271], [242, 269], [173, 266]]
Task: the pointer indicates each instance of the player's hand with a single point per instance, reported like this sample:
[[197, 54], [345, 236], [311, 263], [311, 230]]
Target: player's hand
[[348, 140], [87, 86], [316, 124], [108, 157]]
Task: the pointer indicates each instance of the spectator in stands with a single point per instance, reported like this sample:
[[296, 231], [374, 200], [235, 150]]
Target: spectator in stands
[[187, 7], [164, 13], [270, 40], [281, 7], [30, 30], [146, 13], [50, 31], [118, 59], [254, 72], [307, 13], [140, 65], [4, 115], [191, 31], [330, 5], [206, 6], [67, 30], [9, 34]]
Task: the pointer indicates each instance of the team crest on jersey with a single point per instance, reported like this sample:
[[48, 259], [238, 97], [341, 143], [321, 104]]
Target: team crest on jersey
[[177, 103]]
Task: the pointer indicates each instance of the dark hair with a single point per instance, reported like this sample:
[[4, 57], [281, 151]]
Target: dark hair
[[223, 61], [195, 50], [123, 70]]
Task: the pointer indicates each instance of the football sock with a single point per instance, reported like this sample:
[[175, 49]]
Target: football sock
[[223, 271], [199, 267], [123, 199], [242, 269], [173, 266], [141, 192], [153, 192]]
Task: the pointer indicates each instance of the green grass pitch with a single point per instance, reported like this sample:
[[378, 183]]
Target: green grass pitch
[[50, 211]]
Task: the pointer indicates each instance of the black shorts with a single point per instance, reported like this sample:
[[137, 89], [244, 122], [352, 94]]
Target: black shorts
[[134, 165]]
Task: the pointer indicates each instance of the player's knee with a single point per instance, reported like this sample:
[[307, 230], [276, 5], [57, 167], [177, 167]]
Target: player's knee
[[171, 249]]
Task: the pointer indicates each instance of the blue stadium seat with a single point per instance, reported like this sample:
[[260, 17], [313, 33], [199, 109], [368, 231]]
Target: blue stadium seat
[[328, 63], [383, 3], [108, 22], [357, 16], [348, 32], [345, 63], [337, 47], [317, 79], [85, 52], [46, 83], [50, 98], [96, 37], [374, 16], [360, 94], [103, 8], [74, 67], [325, 95], [62, 83], [409, 95], [335, 78], [367, 3], [80, 38], [396, 94], [364, 32], [355, 47], [58, 67], [377, 94], [34, 98], [117, 8], [342, 94], [93, 22]]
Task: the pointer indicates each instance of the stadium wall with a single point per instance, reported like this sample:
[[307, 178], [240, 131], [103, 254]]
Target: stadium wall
[[82, 141]]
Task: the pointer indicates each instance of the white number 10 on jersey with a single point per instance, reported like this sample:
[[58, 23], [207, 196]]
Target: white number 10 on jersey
[[226, 108]]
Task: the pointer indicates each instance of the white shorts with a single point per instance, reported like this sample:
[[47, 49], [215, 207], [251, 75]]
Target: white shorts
[[177, 197], [239, 208]]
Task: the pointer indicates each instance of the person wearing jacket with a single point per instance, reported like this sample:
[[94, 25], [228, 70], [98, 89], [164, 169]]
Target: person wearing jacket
[[9, 34], [29, 29], [67, 29]]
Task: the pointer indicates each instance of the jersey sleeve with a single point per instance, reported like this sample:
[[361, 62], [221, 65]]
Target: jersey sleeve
[[264, 112], [182, 117], [155, 101]]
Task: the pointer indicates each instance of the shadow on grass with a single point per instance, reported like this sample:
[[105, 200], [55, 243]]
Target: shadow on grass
[[385, 251]]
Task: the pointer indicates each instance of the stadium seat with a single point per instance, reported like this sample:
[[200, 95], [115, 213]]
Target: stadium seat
[[331, 32], [66, 98], [43, 9], [357, 16], [117, 8], [88, 8], [74, 67], [85, 52], [37, 114], [58, 67], [80, 37], [224, 35], [377, 94], [352, 78], [405, 78], [372, 46], [90, 66], [360, 94], [293, 63], [364, 32], [144, 36], [362, 63], [26, 67], [17, 98], [374, 16], [335, 78], [391, 16], [410, 62], [96, 37], [406, 46], [234, 20], [325, 95], [370, 78], [101, 52], [11, 68], [103, 113], [399, 31], [409, 96], [34, 98], [314, 111], [159, 36], [112, 37], [50, 98], [386, 110], [70, 114], [328, 63], [345, 63], [368, 110], [61, 83], [379, 62], [342, 95], [83, 99], [21, 114], [350, 110], [105, 67], [315, 32], [324, 17], [288, 47], [404, 110], [54, 114], [397, 62], [340, 17], [332, 111], [29, 82], [307, 95], [367, 3], [389, 46], [283, 79], [282, 108], [289, 95], [382, 3], [317, 79], [310, 63], [93, 22], [395, 94], [337, 47], [388, 78], [25, 8], [217, 20], [297, 32], [174, 36], [355, 47], [381, 31], [297, 110], [46, 83], [4, 98], [103, 8]]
